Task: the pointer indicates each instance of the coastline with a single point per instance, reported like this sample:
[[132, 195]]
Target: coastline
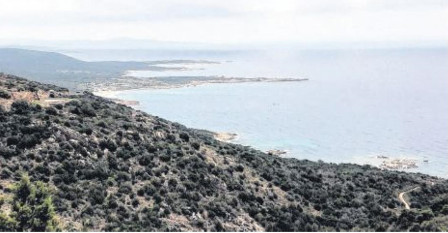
[[127, 83], [113, 89], [232, 137], [112, 95], [380, 161]]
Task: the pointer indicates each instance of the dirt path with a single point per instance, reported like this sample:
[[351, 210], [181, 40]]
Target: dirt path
[[401, 195], [401, 198]]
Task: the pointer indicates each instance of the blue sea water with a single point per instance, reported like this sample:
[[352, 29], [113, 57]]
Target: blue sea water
[[357, 104]]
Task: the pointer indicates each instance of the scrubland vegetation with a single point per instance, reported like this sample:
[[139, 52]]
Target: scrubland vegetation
[[117, 169]]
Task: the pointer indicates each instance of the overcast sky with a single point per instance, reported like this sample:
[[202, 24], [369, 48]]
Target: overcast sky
[[226, 21]]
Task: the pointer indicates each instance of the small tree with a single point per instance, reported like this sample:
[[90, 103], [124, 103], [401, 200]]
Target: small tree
[[32, 208], [6, 222], [4, 94]]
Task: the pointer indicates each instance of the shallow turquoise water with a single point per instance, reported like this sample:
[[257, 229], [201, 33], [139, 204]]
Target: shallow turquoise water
[[357, 105]]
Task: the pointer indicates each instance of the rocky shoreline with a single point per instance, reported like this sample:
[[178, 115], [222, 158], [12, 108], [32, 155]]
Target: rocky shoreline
[[225, 137], [277, 152]]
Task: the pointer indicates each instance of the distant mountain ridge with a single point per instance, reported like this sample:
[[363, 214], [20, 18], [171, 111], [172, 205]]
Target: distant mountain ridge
[[13, 56], [59, 69]]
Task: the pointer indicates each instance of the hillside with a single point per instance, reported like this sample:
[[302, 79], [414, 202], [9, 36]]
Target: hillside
[[118, 169]]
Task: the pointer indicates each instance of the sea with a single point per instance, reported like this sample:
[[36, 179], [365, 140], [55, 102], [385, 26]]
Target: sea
[[363, 106]]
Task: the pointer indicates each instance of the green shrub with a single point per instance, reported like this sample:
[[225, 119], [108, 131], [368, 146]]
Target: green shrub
[[195, 145], [20, 107], [5, 94], [109, 144], [7, 223], [184, 136], [51, 111], [32, 209]]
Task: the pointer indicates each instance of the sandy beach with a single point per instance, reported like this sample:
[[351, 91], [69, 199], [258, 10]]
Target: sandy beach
[[113, 95]]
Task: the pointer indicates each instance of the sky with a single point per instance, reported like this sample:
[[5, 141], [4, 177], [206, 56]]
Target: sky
[[226, 22]]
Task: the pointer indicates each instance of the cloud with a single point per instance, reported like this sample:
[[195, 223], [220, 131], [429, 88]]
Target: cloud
[[230, 21]]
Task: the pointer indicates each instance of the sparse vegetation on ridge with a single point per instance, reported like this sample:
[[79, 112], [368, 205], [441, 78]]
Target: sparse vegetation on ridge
[[114, 168]]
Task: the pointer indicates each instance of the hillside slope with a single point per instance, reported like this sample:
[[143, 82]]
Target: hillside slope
[[115, 168]]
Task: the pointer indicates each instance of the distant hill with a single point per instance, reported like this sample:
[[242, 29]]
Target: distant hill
[[59, 69], [113, 168], [77, 75]]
